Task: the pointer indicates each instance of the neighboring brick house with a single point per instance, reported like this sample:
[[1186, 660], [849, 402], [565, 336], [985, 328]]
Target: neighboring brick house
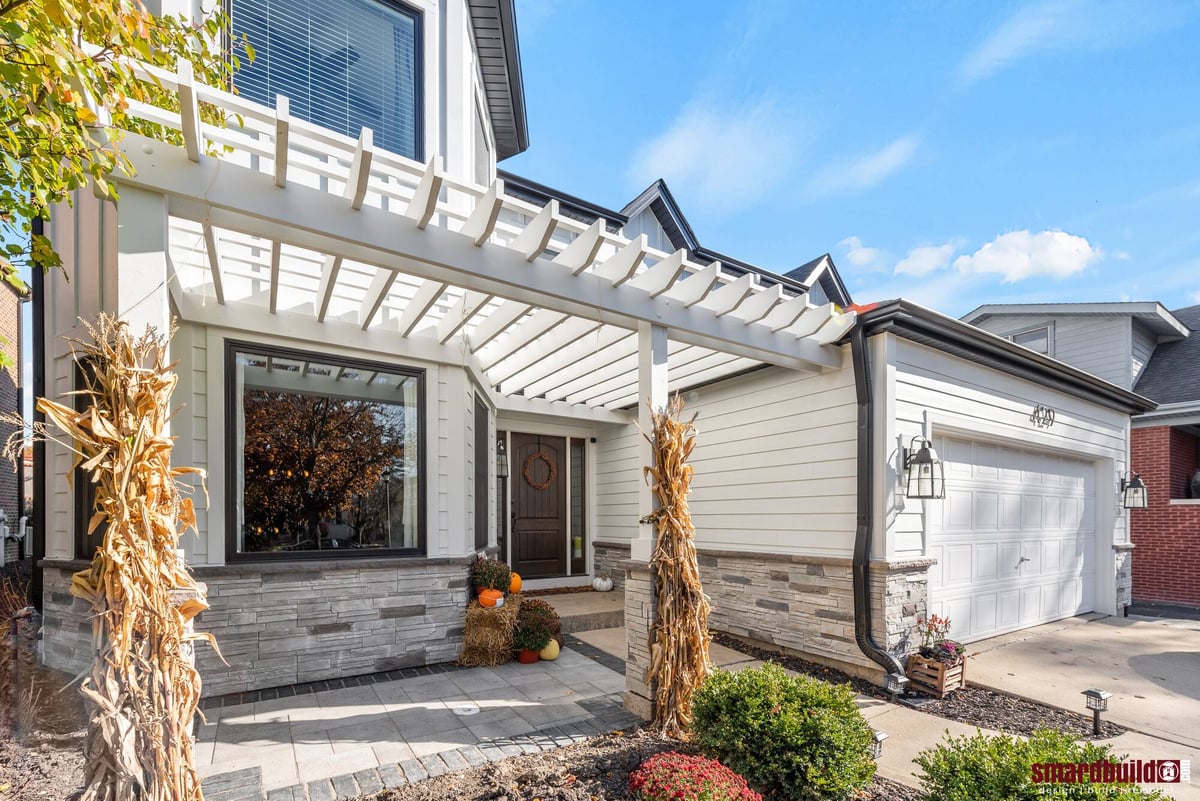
[[1156, 353], [10, 401], [1165, 449]]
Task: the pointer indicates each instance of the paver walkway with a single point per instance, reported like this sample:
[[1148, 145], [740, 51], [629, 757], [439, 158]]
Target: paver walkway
[[337, 743]]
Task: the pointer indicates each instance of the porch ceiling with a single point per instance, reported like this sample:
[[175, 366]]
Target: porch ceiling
[[299, 222]]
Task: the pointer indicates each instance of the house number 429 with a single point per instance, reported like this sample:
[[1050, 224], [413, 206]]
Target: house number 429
[[1042, 417]]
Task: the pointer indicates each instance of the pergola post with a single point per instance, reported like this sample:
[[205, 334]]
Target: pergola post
[[640, 594], [142, 293]]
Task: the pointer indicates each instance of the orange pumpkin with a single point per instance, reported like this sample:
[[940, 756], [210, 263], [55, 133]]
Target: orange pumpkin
[[491, 598], [514, 584]]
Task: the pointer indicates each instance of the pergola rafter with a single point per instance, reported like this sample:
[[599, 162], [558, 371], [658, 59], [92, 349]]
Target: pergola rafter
[[545, 306]]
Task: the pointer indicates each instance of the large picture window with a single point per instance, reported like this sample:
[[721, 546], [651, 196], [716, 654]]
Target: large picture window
[[342, 64], [326, 455]]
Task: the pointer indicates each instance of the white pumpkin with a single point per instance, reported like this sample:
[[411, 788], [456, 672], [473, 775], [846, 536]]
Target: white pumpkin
[[602, 584], [550, 652]]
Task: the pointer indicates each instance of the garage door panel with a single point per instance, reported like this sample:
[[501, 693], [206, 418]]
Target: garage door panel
[[985, 561], [1014, 538], [985, 510], [958, 566]]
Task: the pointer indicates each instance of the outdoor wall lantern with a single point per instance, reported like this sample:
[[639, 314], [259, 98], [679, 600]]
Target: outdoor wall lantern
[[1133, 493], [501, 460], [1097, 701], [877, 744], [926, 477]]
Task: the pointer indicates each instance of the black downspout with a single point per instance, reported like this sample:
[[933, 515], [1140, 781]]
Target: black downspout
[[866, 489], [38, 289]]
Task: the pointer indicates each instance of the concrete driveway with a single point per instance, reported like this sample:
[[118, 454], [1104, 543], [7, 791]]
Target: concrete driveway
[[1152, 667]]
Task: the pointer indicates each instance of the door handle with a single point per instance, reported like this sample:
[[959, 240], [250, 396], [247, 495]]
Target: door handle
[[1022, 559]]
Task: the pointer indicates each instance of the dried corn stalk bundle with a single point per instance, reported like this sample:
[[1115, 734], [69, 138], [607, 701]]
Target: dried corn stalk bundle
[[679, 638], [143, 689]]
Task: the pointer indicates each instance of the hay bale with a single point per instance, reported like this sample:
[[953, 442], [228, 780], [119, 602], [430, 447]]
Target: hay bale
[[488, 633]]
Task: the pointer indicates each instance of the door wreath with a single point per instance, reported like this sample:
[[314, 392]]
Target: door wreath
[[553, 468]]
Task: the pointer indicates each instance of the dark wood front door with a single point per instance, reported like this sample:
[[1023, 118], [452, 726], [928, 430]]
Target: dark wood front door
[[539, 504]]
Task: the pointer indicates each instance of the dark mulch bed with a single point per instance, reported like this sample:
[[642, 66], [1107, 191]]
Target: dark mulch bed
[[975, 706], [41, 728], [596, 770]]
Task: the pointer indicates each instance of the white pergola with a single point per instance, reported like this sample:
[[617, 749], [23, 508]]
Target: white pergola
[[302, 232]]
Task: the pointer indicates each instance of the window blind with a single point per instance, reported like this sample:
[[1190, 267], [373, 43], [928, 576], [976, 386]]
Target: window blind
[[342, 64]]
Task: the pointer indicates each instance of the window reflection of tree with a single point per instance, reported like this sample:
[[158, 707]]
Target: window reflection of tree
[[314, 470]]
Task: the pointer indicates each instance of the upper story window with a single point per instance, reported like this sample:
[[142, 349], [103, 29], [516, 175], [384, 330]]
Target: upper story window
[[1038, 339], [342, 64], [325, 455]]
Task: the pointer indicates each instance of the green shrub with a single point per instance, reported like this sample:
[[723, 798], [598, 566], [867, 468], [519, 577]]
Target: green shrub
[[670, 775], [1000, 768], [792, 737]]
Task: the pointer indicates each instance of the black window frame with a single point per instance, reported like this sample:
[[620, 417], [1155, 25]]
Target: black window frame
[[418, 18], [233, 456]]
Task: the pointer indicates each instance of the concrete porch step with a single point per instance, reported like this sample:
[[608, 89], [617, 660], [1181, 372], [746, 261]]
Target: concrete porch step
[[589, 611]]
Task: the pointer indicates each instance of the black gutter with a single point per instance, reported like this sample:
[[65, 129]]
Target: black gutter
[[38, 549], [542, 194], [863, 391], [927, 327]]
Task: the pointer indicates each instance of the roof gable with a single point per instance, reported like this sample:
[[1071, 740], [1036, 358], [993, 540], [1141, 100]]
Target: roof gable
[[1173, 372]]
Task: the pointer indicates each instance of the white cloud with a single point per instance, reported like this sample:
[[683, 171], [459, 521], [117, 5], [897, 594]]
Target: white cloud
[[1018, 255], [866, 171], [1196, 296], [721, 158], [858, 254], [1065, 24], [926, 259]]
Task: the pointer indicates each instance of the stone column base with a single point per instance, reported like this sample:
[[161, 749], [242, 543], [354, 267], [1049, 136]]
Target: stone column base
[[641, 603]]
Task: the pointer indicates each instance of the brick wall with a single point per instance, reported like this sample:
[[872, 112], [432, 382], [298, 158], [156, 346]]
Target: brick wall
[[1166, 536], [10, 329], [283, 624]]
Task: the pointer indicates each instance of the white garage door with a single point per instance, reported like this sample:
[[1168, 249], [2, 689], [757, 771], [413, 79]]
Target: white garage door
[[1014, 538]]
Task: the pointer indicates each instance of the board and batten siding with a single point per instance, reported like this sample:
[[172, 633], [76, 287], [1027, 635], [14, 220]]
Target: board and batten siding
[[964, 399], [1098, 344], [775, 466]]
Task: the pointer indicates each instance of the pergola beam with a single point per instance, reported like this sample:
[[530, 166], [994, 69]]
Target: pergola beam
[[532, 242], [422, 301], [248, 201], [329, 274], [189, 109], [276, 254], [360, 169], [424, 200], [482, 222], [579, 255], [566, 355], [283, 127], [460, 314], [381, 284], [213, 248]]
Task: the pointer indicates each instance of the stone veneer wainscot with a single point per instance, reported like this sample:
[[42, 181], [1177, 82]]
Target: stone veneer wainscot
[[280, 624]]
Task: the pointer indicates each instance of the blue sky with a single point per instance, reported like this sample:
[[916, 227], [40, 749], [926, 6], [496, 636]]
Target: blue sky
[[950, 153]]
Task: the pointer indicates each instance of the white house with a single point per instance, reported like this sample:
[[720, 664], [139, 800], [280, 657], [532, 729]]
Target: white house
[[370, 314]]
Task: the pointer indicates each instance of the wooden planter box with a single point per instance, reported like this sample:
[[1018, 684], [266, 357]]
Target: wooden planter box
[[934, 677]]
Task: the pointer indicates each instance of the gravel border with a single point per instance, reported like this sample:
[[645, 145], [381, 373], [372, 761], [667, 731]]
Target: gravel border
[[973, 705]]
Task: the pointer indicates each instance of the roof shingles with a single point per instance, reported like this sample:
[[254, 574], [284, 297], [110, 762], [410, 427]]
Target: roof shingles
[[1173, 373]]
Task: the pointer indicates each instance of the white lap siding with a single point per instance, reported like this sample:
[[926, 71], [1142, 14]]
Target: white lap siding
[[964, 401], [775, 466]]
